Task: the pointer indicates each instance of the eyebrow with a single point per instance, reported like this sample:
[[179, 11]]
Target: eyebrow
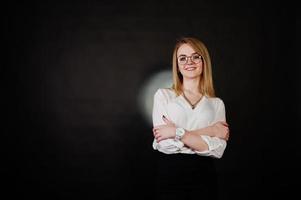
[[186, 55]]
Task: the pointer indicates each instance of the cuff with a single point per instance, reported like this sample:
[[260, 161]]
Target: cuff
[[168, 146]]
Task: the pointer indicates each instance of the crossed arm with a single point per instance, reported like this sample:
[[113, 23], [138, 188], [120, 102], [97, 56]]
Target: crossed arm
[[192, 138], [207, 141]]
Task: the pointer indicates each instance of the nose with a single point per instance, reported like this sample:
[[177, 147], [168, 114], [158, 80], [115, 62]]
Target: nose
[[189, 61]]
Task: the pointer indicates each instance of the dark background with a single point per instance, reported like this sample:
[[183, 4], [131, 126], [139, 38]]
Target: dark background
[[73, 71]]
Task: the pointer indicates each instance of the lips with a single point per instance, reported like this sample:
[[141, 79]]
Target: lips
[[190, 68]]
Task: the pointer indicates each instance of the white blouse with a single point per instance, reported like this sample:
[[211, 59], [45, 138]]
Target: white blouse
[[179, 111]]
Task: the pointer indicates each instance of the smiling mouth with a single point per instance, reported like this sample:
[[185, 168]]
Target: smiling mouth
[[190, 68]]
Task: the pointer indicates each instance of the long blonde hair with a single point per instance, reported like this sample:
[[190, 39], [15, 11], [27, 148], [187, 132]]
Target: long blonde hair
[[206, 82]]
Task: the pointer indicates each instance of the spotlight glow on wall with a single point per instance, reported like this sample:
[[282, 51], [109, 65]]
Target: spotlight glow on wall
[[162, 79]]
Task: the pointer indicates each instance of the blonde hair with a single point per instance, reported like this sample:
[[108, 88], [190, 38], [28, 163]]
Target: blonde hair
[[206, 82]]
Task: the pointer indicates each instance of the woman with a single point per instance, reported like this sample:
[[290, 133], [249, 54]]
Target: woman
[[190, 128]]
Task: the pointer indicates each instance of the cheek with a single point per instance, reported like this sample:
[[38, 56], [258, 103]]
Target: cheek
[[200, 68], [181, 68], [200, 65]]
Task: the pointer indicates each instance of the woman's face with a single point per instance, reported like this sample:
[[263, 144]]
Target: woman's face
[[189, 62]]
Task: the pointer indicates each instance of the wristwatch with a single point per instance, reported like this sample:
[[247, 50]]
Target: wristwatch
[[180, 132]]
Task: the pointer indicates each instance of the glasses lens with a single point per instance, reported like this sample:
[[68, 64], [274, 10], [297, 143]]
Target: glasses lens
[[196, 58], [182, 59]]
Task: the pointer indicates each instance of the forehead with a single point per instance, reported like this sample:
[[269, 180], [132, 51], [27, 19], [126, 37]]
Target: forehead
[[185, 49]]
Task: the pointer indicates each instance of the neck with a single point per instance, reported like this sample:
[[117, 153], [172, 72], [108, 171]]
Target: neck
[[191, 85]]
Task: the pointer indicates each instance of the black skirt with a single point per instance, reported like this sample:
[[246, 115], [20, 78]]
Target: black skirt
[[185, 176]]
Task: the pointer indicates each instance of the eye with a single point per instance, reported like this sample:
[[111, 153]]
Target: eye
[[182, 58], [196, 56]]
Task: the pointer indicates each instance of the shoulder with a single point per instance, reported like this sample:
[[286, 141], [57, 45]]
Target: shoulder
[[216, 102], [164, 94]]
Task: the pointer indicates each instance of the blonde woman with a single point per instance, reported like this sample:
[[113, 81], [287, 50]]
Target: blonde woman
[[190, 127]]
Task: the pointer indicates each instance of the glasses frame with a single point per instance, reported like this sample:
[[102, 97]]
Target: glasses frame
[[190, 57]]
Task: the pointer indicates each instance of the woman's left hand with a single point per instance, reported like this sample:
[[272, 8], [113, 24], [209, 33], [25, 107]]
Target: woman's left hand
[[163, 132]]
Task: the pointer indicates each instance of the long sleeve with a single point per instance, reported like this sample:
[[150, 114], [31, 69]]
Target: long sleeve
[[216, 146], [165, 103], [167, 146]]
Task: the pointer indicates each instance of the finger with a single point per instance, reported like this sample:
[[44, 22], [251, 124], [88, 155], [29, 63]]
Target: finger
[[154, 129], [225, 123], [154, 133], [226, 137], [159, 127]]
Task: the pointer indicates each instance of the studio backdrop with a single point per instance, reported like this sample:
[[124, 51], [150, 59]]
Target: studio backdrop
[[79, 83]]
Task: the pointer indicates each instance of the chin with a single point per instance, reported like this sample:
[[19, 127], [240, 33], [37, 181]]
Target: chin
[[191, 75]]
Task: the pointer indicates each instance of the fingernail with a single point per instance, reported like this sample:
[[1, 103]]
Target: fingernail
[[163, 116]]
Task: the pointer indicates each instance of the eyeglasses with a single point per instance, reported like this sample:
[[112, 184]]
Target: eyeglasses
[[195, 58]]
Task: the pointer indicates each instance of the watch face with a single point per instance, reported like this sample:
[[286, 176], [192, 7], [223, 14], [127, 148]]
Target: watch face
[[180, 132]]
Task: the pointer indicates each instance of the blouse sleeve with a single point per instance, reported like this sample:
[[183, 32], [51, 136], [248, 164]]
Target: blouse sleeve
[[167, 146], [216, 146]]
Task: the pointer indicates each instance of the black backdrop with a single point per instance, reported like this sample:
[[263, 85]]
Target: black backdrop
[[72, 126]]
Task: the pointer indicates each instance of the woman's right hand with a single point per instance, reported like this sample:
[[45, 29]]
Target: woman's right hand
[[221, 130]]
